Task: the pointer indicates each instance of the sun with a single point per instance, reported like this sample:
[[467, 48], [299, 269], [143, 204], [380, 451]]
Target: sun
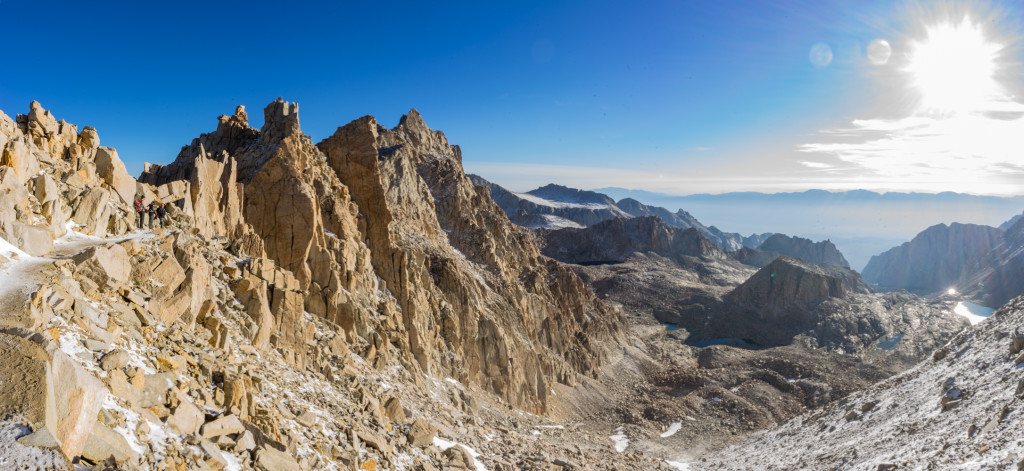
[[954, 67]]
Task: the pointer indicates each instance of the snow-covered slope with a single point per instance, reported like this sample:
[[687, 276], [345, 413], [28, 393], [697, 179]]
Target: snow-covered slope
[[962, 409]]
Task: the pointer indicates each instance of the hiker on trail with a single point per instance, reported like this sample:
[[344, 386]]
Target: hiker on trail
[[141, 209], [161, 211], [152, 213]]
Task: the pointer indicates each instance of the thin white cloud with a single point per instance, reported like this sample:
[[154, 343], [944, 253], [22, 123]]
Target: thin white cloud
[[814, 164], [977, 152]]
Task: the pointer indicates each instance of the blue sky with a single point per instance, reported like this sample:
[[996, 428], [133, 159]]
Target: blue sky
[[671, 96]]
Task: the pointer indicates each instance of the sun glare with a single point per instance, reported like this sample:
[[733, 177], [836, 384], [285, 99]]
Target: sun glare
[[954, 67]]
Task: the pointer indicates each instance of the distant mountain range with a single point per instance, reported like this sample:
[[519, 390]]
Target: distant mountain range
[[861, 223], [555, 206]]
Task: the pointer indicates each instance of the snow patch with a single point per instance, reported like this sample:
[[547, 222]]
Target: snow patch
[[678, 465], [672, 429], [557, 222], [8, 249], [443, 445], [620, 439], [559, 204], [14, 455]]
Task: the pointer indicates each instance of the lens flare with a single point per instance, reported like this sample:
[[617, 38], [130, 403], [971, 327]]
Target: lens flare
[[879, 52]]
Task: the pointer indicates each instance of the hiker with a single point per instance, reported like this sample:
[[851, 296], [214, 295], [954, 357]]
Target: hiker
[[141, 209], [161, 211], [152, 213]]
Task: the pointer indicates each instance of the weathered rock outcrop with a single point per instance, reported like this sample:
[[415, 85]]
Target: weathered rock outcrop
[[380, 232], [831, 307], [50, 175], [788, 282], [464, 276]]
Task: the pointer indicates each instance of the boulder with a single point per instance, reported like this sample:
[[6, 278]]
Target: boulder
[[421, 433], [41, 122], [155, 389], [93, 213], [393, 409], [113, 173], [104, 443], [78, 396], [106, 266], [226, 425], [33, 240], [31, 395], [88, 138], [270, 459], [187, 418], [115, 359], [13, 196], [167, 276], [18, 156], [214, 458], [45, 189]]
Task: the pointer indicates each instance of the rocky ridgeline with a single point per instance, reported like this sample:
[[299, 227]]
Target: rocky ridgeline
[[570, 206], [819, 253], [297, 314], [613, 240], [373, 214]]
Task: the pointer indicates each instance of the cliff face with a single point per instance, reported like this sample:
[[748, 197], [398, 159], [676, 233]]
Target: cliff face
[[999, 276], [383, 234], [477, 298], [938, 258], [615, 239]]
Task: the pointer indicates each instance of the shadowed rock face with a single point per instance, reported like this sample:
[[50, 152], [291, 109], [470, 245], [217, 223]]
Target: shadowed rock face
[[999, 277], [938, 258], [983, 263], [615, 239], [787, 282], [830, 306], [820, 253]]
